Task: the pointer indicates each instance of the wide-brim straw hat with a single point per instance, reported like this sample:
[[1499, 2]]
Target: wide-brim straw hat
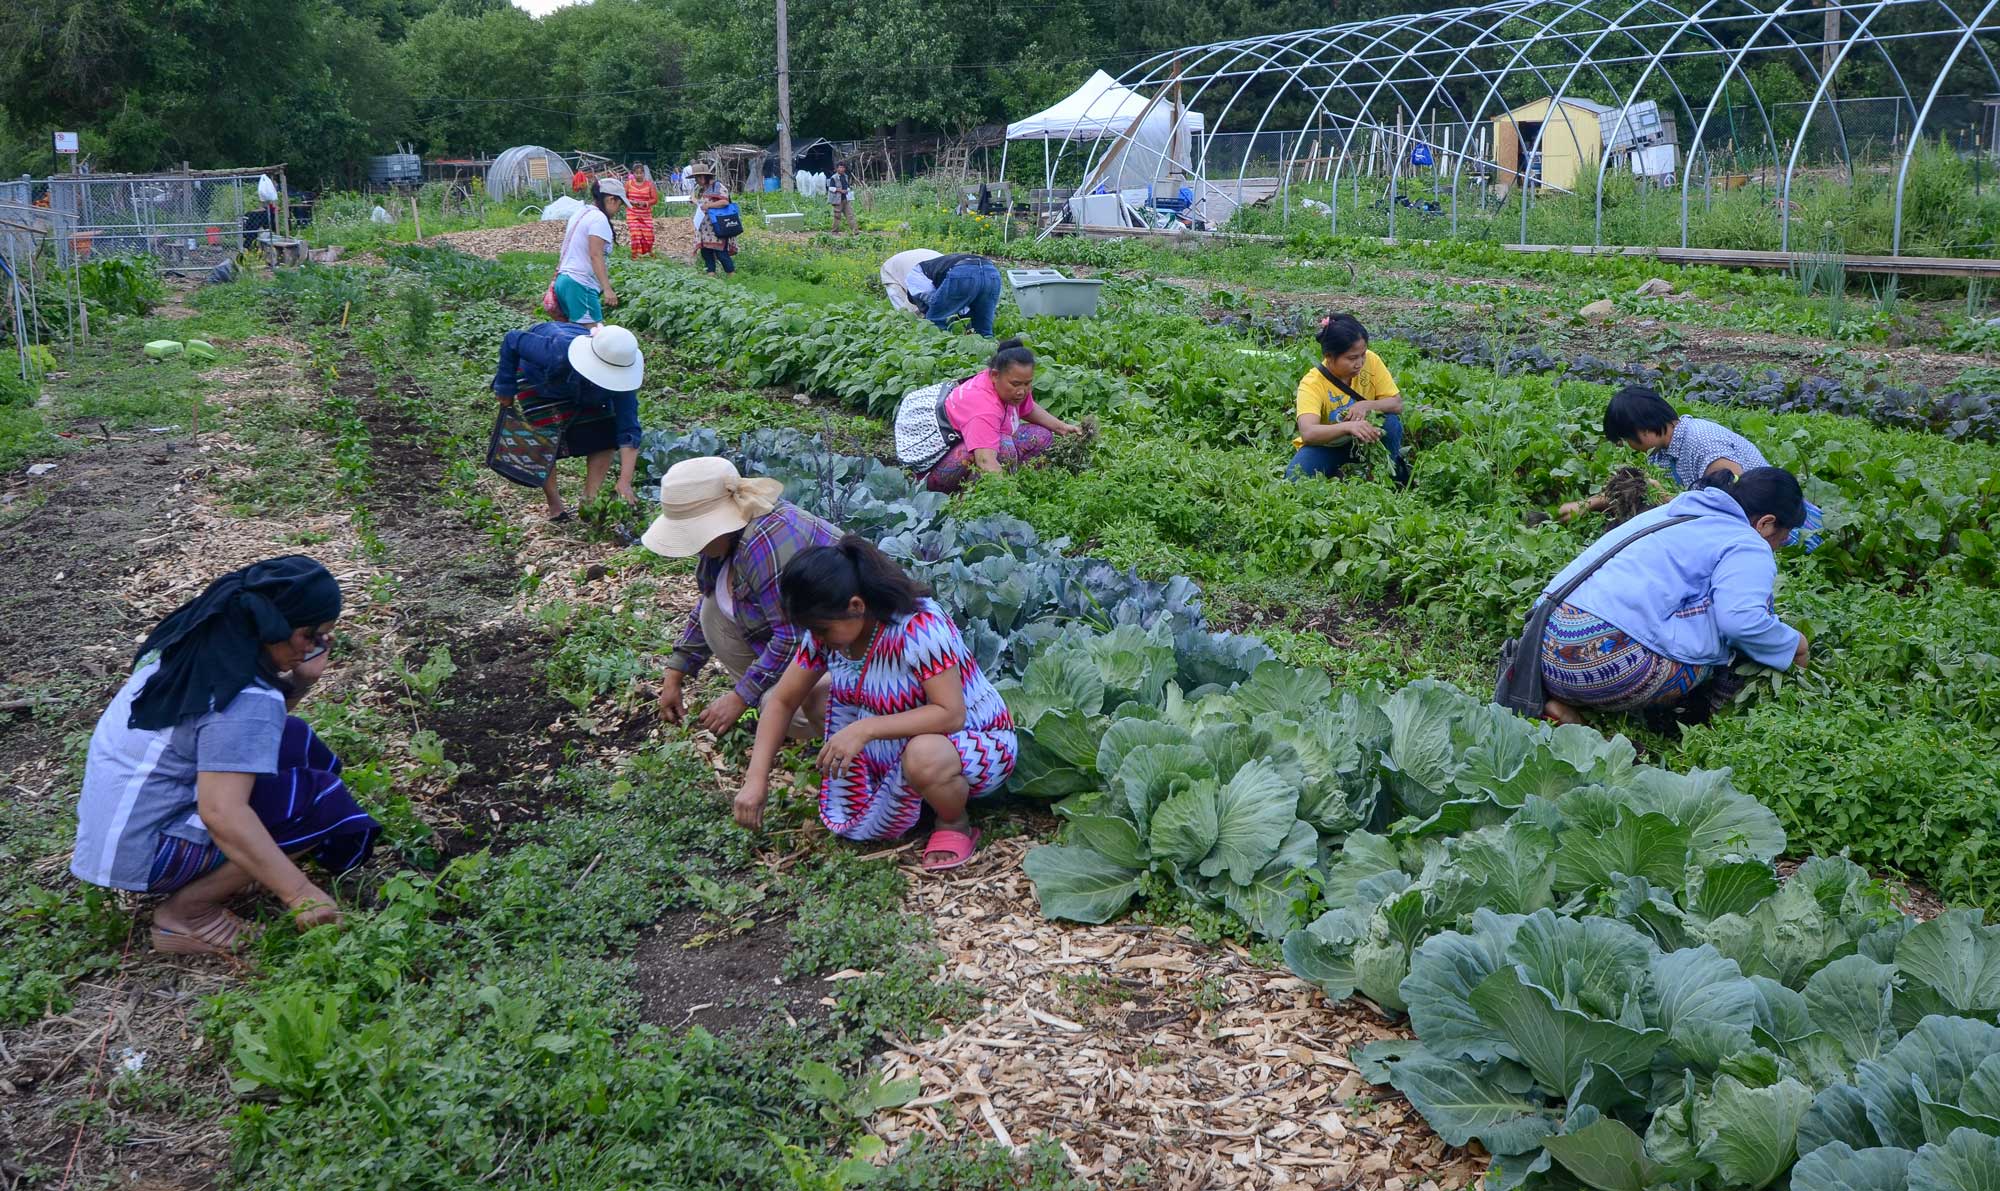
[[703, 499], [702, 169], [609, 357]]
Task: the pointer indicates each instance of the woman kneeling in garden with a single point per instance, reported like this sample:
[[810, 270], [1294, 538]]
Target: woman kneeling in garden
[[745, 534], [1687, 448], [1665, 611], [1336, 399], [992, 416], [910, 721], [199, 782]]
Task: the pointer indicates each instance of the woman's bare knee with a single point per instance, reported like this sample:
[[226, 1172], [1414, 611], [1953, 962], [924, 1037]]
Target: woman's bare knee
[[931, 760]]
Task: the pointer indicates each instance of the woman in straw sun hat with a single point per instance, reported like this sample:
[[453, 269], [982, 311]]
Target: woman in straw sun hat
[[745, 533], [577, 390]]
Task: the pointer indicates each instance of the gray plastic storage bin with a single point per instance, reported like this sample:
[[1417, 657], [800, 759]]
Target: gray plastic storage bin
[[1045, 291]]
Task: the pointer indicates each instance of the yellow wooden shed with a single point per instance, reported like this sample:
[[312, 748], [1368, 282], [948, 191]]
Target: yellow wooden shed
[[1548, 142]]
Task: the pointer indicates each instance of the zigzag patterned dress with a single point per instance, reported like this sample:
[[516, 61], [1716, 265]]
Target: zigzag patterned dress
[[870, 800]]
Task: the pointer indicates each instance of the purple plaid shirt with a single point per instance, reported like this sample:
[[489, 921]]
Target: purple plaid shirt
[[767, 544]]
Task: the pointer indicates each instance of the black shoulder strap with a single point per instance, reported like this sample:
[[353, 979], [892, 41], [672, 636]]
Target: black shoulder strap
[[1569, 589], [1338, 383]]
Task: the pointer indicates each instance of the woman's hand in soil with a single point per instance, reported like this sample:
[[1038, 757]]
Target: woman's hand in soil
[[1570, 511], [312, 907], [720, 716], [749, 806], [1069, 428], [843, 747], [671, 708]]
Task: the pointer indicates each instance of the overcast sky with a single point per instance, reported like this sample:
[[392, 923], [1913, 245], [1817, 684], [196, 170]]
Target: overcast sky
[[543, 7]]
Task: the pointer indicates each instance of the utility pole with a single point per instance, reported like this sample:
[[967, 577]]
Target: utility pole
[[784, 100]]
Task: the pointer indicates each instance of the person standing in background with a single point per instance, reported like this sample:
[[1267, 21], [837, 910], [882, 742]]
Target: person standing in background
[[708, 195], [583, 278], [640, 195], [840, 196]]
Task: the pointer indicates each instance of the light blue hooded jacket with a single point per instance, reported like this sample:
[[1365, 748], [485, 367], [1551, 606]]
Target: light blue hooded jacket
[[1696, 592]]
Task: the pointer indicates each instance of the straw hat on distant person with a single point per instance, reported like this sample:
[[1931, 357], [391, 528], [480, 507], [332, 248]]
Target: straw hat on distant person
[[702, 169], [704, 499]]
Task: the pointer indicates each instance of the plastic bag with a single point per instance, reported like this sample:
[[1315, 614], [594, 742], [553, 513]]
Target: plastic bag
[[160, 349], [378, 215], [267, 190]]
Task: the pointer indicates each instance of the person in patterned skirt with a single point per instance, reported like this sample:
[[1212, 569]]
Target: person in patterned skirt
[[1659, 623], [640, 195], [910, 720]]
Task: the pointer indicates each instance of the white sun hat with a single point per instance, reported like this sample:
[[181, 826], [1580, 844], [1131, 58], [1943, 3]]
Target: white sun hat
[[703, 499], [609, 357]]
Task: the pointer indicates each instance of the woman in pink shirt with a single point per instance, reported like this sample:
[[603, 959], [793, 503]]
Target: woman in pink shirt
[[997, 420]]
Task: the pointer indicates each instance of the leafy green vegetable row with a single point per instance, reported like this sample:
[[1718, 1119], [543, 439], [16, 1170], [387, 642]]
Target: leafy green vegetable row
[[1611, 985]]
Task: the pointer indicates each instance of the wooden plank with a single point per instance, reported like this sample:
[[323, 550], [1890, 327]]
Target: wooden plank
[[1739, 258], [1721, 258]]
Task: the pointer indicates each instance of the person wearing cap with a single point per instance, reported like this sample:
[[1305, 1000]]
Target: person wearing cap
[[708, 195], [744, 532], [583, 280], [945, 287], [587, 378]]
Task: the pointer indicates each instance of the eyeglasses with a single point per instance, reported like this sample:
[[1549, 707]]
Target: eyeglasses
[[321, 643]]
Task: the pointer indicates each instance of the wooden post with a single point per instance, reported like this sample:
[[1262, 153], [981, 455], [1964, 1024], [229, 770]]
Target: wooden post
[[418, 216]]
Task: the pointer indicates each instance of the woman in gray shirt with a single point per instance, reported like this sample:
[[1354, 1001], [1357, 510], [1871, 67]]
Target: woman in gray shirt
[[200, 783]]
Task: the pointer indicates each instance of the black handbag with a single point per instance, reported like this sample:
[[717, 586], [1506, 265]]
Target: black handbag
[[1519, 685]]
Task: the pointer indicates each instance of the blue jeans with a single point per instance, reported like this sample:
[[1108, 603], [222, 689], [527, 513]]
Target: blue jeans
[[1320, 459], [973, 286]]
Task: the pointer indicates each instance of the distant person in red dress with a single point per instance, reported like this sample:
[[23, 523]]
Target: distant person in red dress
[[579, 181], [640, 195]]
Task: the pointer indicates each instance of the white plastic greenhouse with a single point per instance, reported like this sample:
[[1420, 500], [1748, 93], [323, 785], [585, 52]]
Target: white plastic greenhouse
[[527, 170]]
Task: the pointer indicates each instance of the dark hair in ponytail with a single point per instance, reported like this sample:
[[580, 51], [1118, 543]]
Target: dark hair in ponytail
[[1338, 333], [1763, 491], [1009, 353], [817, 585], [597, 197]]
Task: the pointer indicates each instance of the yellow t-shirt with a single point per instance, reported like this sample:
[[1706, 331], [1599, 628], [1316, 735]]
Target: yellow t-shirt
[[1318, 396]]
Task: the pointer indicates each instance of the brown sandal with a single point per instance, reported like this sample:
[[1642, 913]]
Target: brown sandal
[[224, 934]]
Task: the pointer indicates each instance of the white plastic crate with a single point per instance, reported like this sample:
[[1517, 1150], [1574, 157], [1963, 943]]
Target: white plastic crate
[[1046, 292], [786, 221]]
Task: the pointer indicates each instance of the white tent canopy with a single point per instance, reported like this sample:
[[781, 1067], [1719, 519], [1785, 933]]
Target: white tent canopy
[[1099, 108], [1154, 140]]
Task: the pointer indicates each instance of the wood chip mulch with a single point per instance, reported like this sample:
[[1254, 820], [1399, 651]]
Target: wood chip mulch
[[1135, 1044]]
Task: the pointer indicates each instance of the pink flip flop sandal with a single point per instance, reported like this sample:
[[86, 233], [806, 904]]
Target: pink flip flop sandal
[[957, 845]]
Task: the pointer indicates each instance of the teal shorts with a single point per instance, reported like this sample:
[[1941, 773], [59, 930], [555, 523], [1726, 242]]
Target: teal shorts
[[579, 302]]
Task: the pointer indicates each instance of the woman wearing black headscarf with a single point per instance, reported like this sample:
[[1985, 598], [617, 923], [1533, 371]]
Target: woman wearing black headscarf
[[200, 783]]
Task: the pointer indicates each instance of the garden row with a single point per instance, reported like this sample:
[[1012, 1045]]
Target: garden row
[[1610, 984], [1885, 748]]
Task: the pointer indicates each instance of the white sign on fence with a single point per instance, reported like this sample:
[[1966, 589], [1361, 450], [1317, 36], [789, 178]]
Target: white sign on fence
[[66, 142]]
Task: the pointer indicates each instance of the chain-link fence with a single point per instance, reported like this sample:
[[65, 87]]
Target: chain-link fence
[[183, 221], [39, 300]]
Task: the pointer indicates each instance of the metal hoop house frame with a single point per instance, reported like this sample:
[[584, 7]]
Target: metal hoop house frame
[[1381, 80]]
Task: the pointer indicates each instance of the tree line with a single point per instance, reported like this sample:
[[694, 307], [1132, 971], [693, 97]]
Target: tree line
[[321, 84]]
